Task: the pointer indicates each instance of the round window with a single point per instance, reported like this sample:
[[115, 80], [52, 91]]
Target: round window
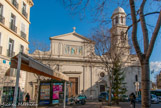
[[102, 74]]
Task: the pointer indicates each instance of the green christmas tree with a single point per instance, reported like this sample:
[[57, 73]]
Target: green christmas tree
[[118, 84]]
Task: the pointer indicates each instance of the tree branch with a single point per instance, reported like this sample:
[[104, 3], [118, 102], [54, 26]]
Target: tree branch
[[134, 30], [156, 12], [144, 27], [154, 36]]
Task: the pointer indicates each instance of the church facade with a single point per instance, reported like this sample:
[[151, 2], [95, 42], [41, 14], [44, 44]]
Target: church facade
[[70, 55]]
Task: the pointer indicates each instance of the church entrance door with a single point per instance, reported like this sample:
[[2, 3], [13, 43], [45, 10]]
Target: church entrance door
[[102, 88], [73, 88]]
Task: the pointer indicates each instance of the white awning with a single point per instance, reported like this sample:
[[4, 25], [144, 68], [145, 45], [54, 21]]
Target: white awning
[[31, 65]]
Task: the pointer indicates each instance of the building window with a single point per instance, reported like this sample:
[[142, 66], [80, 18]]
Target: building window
[[10, 48], [13, 23], [112, 22], [121, 19], [24, 10], [102, 74], [1, 9], [14, 2], [21, 48], [1, 14], [23, 34], [136, 78], [123, 36], [116, 19]]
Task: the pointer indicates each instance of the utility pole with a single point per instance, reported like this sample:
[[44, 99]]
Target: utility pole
[[64, 94]]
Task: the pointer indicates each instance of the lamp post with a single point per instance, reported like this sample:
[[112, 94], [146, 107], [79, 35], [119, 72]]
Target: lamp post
[[137, 87]]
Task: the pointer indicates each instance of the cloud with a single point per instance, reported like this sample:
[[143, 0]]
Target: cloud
[[156, 68]]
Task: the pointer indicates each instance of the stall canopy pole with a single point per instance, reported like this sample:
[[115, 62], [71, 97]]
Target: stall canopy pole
[[64, 93], [17, 81], [38, 86]]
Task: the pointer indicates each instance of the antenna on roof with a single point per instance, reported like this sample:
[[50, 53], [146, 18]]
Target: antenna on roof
[[74, 28]]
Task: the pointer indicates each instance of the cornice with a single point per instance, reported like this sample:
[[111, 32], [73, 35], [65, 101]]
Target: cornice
[[14, 33], [69, 40], [30, 2], [118, 13], [72, 33], [18, 11], [5, 57]]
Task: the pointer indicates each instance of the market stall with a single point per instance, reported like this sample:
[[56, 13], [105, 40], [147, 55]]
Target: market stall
[[27, 63]]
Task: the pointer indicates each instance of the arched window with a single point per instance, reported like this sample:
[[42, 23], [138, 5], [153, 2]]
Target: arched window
[[136, 78], [113, 22], [116, 19], [122, 19], [122, 36]]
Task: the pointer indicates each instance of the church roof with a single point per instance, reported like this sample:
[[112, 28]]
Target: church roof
[[118, 10], [72, 33]]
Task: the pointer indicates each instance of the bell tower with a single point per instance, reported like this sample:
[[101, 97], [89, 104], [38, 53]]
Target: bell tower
[[119, 37]]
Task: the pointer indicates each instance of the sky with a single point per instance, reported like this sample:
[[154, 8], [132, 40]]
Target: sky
[[53, 18]]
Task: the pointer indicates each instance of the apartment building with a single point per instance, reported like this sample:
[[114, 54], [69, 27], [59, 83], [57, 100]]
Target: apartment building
[[14, 36]]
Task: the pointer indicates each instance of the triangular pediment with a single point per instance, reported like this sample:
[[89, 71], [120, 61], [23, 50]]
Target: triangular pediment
[[71, 37]]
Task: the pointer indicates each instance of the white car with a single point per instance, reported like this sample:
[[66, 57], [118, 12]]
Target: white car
[[154, 99]]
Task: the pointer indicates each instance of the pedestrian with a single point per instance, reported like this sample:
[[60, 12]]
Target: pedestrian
[[132, 99], [27, 97]]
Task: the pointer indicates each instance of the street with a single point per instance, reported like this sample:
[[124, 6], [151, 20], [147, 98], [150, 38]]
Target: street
[[99, 104]]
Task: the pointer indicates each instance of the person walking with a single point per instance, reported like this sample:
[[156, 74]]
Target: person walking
[[27, 97], [132, 99]]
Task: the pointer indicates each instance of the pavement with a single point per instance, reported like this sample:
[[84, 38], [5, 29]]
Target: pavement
[[95, 104]]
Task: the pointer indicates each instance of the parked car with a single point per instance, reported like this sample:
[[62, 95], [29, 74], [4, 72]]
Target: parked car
[[154, 99], [124, 98], [159, 97], [103, 96], [80, 99], [138, 99]]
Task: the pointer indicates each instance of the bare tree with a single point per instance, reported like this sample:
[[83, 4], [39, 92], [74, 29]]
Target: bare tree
[[148, 48], [107, 52], [138, 16]]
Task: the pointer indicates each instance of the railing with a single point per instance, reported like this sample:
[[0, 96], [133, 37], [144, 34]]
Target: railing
[[14, 2], [2, 19], [23, 35], [13, 27], [10, 53], [24, 13], [1, 49]]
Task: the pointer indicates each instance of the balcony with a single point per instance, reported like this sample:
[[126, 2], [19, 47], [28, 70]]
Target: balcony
[[24, 13], [14, 2], [23, 35], [2, 19], [13, 27], [10, 53], [1, 49]]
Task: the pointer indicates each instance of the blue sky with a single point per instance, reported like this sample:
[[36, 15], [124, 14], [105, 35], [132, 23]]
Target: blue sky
[[52, 18]]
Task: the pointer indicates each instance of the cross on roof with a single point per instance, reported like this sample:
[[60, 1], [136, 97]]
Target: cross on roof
[[74, 28]]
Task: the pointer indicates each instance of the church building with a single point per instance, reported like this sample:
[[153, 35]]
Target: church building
[[70, 56]]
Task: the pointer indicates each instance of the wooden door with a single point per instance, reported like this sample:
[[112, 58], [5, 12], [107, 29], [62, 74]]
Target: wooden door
[[102, 88], [73, 88]]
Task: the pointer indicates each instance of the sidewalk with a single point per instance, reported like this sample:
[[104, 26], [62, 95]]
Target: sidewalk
[[122, 105]]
